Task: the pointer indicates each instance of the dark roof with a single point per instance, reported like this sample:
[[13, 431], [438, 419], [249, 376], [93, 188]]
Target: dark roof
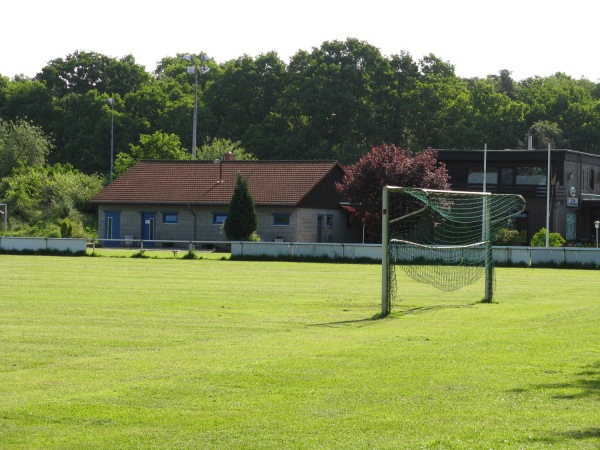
[[212, 183]]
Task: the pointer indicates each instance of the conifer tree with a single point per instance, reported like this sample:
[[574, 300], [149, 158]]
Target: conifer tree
[[241, 219]]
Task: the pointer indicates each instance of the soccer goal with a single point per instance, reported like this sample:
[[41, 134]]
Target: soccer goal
[[442, 238]]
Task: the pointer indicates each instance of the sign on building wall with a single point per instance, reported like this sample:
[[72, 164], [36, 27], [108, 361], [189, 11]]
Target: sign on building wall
[[571, 233]]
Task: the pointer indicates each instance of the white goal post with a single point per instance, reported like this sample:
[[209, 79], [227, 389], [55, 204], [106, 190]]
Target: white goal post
[[441, 237]]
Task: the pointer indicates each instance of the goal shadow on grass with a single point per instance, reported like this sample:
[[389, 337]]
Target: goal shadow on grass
[[360, 322], [397, 311], [395, 314]]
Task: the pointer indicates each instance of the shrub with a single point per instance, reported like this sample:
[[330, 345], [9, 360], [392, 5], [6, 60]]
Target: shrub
[[507, 237], [554, 239], [254, 237], [66, 229]]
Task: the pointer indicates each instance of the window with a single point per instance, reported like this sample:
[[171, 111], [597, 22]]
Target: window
[[528, 176], [219, 217], [531, 176], [507, 175], [281, 219], [475, 175], [170, 217], [329, 220], [591, 180]]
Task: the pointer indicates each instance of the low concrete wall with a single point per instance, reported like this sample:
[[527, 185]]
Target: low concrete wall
[[20, 244], [512, 255], [521, 256], [308, 250]]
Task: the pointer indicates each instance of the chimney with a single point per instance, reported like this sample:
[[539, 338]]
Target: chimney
[[228, 156]]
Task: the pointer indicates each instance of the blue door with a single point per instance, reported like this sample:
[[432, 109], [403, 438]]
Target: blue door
[[148, 228], [112, 228]]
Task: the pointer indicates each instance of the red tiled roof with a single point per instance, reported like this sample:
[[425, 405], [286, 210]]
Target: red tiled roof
[[208, 182]]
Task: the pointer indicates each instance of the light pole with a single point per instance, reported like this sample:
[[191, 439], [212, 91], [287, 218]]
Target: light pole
[[193, 68], [597, 225], [4, 214], [111, 101]]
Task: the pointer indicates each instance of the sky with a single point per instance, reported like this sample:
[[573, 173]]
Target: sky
[[479, 37]]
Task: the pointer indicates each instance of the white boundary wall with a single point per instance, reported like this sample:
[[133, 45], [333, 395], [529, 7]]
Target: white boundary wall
[[20, 244], [302, 249], [502, 255]]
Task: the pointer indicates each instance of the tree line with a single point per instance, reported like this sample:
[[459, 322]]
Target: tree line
[[335, 101]]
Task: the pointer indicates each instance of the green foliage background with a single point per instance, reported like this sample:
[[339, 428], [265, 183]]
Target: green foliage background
[[335, 101]]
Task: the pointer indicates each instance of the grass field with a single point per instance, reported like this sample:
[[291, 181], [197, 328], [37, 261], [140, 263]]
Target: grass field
[[110, 353]]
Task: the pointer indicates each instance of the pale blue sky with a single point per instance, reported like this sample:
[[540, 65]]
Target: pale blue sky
[[527, 37]]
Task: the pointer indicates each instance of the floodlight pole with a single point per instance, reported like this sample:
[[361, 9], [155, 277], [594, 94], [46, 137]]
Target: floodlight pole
[[5, 217], [111, 101], [194, 67]]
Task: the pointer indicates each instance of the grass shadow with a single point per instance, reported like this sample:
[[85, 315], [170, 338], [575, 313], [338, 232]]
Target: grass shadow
[[366, 321], [395, 314], [432, 308], [562, 439], [587, 384]]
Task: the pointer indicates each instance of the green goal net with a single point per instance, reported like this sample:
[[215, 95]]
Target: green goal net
[[442, 238]]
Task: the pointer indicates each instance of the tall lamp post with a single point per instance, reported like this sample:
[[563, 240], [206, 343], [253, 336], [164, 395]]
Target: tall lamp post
[[111, 101], [193, 68], [4, 214], [597, 225]]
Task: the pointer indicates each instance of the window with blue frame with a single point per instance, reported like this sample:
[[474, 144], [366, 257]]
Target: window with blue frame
[[219, 218], [281, 219], [170, 217]]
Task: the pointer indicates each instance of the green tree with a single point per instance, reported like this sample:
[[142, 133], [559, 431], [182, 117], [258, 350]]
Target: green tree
[[496, 119], [81, 72], [569, 104], [21, 144], [242, 220], [546, 133], [336, 102], [155, 146], [217, 147], [243, 93], [82, 131], [41, 197], [504, 83], [29, 100], [160, 105], [440, 108]]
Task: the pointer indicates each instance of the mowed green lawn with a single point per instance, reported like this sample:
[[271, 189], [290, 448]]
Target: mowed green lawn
[[110, 353]]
